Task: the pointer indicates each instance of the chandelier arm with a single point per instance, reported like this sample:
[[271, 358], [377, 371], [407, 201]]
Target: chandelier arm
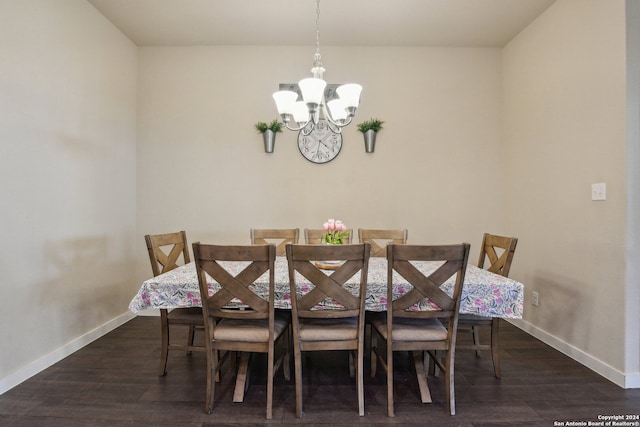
[[330, 120], [334, 127], [349, 119], [297, 128]]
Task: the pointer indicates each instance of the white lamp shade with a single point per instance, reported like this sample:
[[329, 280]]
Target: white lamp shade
[[350, 94], [337, 109], [285, 101], [300, 112], [312, 90]]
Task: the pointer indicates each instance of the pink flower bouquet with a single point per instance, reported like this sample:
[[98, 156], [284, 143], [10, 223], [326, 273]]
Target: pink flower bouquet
[[336, 232]]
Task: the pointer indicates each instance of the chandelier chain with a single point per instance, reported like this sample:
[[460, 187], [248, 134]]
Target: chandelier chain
[[317, 59]]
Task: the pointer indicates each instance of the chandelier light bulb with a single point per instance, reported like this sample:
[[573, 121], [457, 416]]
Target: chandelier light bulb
[[285, 100], [300, 113], [350, 94], [312, 90], [338, 110]]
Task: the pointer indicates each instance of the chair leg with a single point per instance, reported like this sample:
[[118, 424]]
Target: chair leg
[[449, 383], [286, 363], [476, 339], [390, 410], [216, 356], [374, 357], [495, 354], [212, 364], [434, 369], [297, 367], [190, 337], [429, 364], [352, 368], [270, 361], [164, 350], [359, 378]]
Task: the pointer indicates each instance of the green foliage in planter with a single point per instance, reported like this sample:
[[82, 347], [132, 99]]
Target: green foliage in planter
[[274, 126], [371, 124]]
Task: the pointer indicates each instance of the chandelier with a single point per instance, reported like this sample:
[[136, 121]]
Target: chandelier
[[307, 113]]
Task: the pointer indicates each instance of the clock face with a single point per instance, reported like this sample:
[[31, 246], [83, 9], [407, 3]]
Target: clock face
[[322, 145]]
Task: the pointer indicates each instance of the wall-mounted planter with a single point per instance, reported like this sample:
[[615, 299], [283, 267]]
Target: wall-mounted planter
[[269, 137], [268, 131], [369, 141], [369, 129]]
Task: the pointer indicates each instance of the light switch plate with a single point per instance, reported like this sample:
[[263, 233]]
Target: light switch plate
[[599, 191]]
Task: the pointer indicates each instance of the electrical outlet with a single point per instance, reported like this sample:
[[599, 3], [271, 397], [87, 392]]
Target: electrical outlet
[[599, 191], [535, 298]]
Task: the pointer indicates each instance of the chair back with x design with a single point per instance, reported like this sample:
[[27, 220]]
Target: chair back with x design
[[498, 263], [278, 236], [165, 250], [217, 305], [427, 286], [379, 239]]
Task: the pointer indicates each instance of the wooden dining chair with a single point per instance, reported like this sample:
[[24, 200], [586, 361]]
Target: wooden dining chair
[[313, 236], [498, 251], [403, 328], [165, 253], [278, 236], [256, 327], [318, 327], [379, 239]]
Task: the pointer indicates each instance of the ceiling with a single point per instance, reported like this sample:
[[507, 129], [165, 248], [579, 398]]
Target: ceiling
[[473, 23]]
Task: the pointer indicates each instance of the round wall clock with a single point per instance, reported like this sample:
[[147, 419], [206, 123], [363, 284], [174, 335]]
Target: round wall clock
[[321, 145]]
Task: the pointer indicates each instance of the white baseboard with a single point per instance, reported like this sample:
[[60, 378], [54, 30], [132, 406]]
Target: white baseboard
[[26, 372], [615, 376]]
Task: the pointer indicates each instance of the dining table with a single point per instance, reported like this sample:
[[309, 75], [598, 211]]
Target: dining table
[[484, 293]]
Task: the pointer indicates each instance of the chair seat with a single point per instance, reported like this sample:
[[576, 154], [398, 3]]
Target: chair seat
[[343, 329], [188, 316], [410, 329], [248, 330]]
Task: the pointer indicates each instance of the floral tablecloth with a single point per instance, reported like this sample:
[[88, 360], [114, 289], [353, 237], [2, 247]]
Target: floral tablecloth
[[484, 293]]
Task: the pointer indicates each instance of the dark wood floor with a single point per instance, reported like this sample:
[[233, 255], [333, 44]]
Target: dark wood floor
[[114, 382]]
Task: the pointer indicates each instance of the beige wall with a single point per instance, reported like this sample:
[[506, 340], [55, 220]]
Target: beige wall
[[67, 174], [201, 165], [564, 128]]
